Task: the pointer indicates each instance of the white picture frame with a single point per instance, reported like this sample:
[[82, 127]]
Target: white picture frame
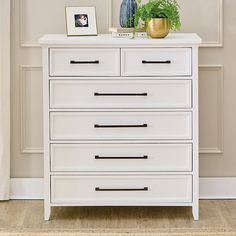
[[81, 21]]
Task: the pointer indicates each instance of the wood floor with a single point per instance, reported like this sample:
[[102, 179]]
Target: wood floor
[[215, 217]]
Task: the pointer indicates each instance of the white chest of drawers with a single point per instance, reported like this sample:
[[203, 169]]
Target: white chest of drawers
[[121, 121]]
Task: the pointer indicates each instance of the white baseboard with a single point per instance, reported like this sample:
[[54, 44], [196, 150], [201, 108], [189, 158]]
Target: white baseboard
[[26, 188], [218, 188], [210, 188]]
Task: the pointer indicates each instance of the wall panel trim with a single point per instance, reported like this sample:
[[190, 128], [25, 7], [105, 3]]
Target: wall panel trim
[[110, 11], [220, 23], [220, 148], [24, 148], [23, 42]]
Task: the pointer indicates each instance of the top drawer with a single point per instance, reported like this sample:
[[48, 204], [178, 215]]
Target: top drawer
[[157, 62], [84, 62]]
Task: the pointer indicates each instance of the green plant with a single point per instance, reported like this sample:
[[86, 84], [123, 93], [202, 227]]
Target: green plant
[[138, 2], [158, 9]]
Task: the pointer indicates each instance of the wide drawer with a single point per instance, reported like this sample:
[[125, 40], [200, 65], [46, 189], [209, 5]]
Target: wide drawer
[[120, 125], [118, 190], [121, 157], [120, 94], [84, 62], [157, 62]]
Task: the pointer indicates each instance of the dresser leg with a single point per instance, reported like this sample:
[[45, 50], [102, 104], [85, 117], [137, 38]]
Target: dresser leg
[[47, 213], [195, 212]]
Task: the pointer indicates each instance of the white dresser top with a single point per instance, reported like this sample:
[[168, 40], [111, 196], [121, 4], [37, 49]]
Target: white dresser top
[[178, 39]]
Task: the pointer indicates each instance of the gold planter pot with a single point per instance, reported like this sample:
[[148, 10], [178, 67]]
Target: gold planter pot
[[158, 27]]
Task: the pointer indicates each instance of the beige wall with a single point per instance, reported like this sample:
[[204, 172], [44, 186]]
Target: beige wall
[[213, 20]]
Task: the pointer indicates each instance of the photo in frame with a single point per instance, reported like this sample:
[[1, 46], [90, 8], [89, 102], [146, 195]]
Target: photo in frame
[[81, 21]]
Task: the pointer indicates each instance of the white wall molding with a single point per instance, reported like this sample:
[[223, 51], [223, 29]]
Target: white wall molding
[[23, 42], [219, 149], [110, 11], [220, 24], [26, 149], [210, 188]]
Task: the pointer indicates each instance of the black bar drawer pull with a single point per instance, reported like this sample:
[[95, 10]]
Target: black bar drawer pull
[[120, 126], [121, 94], [84, 62], [156, 62], [121, 158], [120, 189]]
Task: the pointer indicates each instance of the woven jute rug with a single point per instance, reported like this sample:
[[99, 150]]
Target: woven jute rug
[[25, 218], [119, 232]]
